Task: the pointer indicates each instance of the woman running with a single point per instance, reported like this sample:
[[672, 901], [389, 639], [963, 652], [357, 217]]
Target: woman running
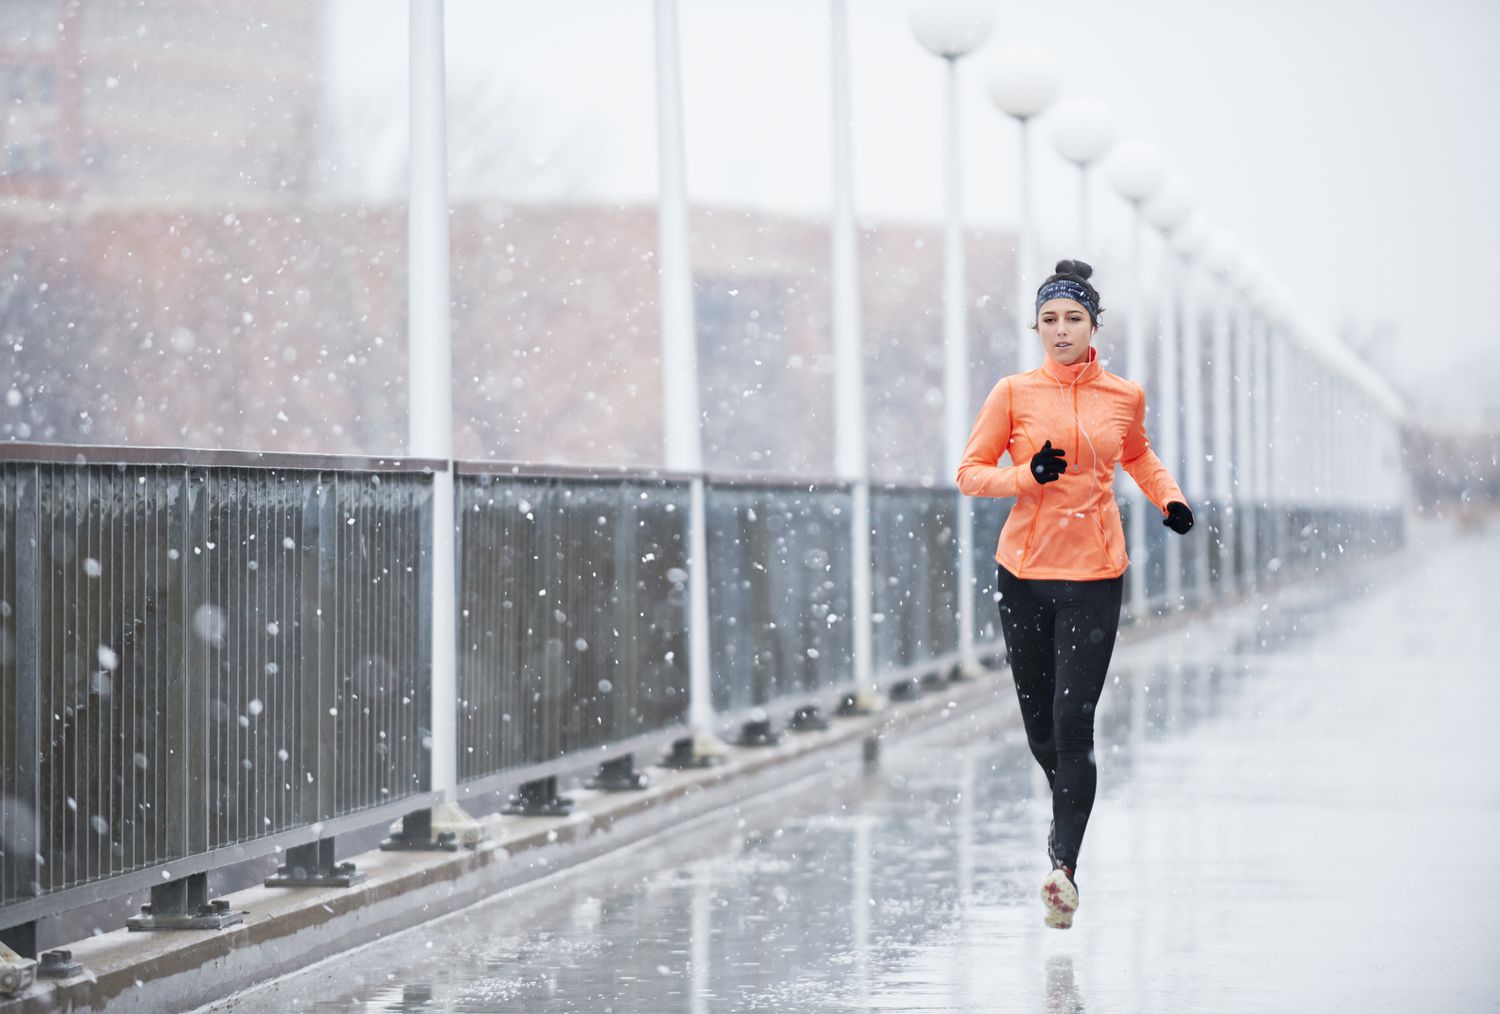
[[1062, 550]]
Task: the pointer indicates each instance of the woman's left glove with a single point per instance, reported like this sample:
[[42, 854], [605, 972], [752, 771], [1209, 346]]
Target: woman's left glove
[[1179, 518]]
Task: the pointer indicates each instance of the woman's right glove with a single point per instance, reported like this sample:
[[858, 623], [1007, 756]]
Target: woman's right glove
[[1179, 517], [1048, 464]]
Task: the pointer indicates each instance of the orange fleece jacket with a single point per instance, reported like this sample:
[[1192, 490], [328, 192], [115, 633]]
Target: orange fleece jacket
[[1069, 529]]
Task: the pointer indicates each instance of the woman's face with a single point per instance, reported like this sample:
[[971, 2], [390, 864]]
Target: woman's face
[[1066, 330]]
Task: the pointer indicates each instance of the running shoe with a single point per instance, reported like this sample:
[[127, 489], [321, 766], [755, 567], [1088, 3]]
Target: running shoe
[[1060, 895]]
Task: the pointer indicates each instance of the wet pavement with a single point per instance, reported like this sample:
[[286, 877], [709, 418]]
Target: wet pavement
[[1300, 820]]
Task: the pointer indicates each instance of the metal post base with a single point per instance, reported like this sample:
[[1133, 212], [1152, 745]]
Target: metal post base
[[312, 865], [933, 680], [906, 690], [808, 718], [619, 775], [539, 799], [415, 834], [183, 904], [759, 733], [58, 965], [16, 973], [700, 750]]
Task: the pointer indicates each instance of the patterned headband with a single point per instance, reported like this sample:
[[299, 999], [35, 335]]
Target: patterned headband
[[1066, 288]]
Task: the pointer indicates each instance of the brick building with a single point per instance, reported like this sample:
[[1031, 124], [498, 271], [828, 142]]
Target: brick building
[[118, 99]]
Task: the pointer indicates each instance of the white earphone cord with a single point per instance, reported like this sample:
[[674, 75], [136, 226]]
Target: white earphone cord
[[1078, 418]]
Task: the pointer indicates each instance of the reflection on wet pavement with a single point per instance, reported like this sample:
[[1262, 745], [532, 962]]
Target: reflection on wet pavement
[[1304, 821]]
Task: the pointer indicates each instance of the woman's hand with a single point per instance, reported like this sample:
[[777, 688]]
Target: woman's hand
[[1179, 517], [1048, 464]]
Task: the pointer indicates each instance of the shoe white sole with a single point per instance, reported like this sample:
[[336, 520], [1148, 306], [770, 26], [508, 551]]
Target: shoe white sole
[[1061, 899]]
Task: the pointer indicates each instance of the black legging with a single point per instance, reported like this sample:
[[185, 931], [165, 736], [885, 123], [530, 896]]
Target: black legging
[[1059, 636]]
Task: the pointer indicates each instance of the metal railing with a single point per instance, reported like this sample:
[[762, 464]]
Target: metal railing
[[781, 592], [572, 621], [915, 585], [990, 516], [205, 657]]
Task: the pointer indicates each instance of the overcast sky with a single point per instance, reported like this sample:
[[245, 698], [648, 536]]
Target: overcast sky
[[1351, 144]]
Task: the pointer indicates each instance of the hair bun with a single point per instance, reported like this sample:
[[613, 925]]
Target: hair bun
[[1078, 268]]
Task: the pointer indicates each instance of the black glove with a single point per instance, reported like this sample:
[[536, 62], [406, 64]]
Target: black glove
[[1048, 464], [1179, 518]]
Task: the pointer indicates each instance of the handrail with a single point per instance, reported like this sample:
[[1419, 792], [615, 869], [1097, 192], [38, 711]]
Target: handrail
[[206, 457]]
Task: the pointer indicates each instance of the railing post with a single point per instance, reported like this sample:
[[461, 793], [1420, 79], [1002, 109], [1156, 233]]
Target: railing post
[[1244, 450], [1136, 366], [1264, 417], [183, 904], [314, 865], [1192, 434], [1223, 494], [25, 842], [321, 618], [201, 625], [1171, 408]]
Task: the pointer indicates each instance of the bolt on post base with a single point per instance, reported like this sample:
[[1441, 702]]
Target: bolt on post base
[[58, 965]]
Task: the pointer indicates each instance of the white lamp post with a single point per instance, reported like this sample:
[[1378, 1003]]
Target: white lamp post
[[679, 366], [1024, 82], [852, 460], [952, 29], [1083, 130], [1189, 242], [1168, 209], [1284, 421], [1137, 172], [1265, 414], [1247, 282], [1221, 258]]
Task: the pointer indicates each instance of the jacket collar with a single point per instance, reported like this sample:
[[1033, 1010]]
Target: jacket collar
[[1082, 371]]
